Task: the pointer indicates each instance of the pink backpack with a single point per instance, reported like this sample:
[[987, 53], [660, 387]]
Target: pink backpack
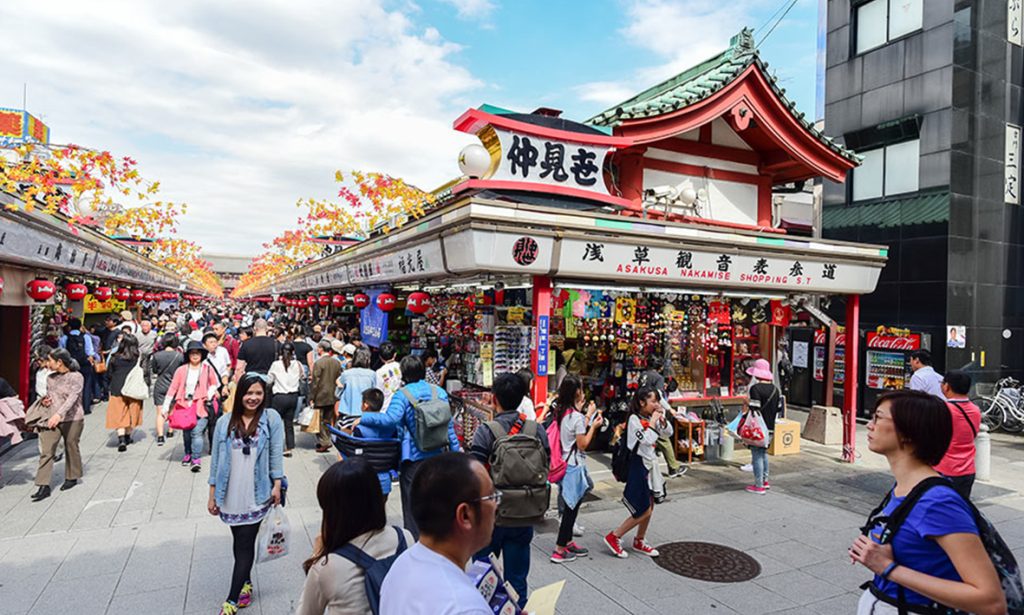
[[558, 464]]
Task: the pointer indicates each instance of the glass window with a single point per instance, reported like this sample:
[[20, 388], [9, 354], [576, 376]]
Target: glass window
[[880, 21], [905, 16], [867, 178], [887, 171], [871, 25], [901, 166]]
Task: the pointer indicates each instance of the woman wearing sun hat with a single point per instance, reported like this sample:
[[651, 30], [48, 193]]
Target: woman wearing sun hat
[[193, 384], [766, 398]]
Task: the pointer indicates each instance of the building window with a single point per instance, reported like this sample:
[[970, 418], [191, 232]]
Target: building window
[[887, 171], [880, 21]]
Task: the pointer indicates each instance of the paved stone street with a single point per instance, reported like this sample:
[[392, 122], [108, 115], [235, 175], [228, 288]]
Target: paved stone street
[[135, 535]]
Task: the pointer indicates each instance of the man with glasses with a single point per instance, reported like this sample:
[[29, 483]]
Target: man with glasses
[[454, 503]]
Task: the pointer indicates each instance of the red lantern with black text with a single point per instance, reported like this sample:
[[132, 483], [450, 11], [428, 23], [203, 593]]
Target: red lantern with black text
[[418, 303], [40, 289], [138, 294], [386, 302], [102, 293], [122, 294], [324, 300], [338, 301], [361, 300], [76, 292]]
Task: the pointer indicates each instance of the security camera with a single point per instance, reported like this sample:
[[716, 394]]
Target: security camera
[[660, 191]]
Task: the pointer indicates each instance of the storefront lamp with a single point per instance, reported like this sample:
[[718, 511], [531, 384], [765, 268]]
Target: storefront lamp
[[474, 161]]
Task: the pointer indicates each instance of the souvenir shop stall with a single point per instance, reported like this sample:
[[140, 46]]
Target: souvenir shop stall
[[645, 233]]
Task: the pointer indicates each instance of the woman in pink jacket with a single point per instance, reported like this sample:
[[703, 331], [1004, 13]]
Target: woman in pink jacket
[[194, 384]]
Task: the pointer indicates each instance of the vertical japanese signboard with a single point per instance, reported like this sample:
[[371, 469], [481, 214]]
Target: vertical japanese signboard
[[1014, 17], [543, 344], [1011, 165]]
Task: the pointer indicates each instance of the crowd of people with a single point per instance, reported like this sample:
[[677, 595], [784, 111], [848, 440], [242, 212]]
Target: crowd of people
[[236, 386]]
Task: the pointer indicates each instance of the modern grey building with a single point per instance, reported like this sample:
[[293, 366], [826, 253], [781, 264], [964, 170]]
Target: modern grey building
[[929, 92]]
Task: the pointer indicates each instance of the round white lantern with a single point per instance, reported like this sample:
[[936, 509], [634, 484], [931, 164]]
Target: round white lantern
[[474, 161]]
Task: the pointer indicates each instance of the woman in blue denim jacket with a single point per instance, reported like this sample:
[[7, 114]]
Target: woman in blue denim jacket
[[246, 470]]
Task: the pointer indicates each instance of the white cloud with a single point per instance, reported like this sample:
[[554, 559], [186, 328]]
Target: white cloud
[[472, 9], [241, 108], [680, 34]]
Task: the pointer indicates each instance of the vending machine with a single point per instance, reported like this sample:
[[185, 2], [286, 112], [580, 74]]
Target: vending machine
[[820, 349], [887, 363]]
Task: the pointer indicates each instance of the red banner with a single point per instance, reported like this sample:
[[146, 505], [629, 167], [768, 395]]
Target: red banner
[[911, 341], [780, 314]]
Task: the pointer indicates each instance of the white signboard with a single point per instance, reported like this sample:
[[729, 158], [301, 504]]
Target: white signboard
[[800, 354], [1014, 19], [1011, 165], [479, 250], [529, 158], [630, 263], [412, 263]]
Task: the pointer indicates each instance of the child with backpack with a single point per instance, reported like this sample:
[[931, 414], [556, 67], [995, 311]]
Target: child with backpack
[[516, 452], [930, 550], [646, 424]]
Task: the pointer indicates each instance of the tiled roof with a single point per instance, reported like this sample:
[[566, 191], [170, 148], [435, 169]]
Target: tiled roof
[[917, 209], [703, 80]]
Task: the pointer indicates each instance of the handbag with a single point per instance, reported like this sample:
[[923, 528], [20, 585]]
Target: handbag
[[100, 367], [37, 415], [305, 416], [135, 385], [314, 422], [183, 416]]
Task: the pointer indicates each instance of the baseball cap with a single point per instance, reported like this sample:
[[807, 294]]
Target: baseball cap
[[337, 347], [347, 348]]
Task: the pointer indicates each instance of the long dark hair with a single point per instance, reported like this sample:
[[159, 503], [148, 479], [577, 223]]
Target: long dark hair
[[566, 400], [350, 495], [287, 354], [128, 349], [639, 398], [236, 426]]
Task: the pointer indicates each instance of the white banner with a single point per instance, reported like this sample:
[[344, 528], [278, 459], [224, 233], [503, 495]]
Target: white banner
[[529, 158], [412, 263], [1014, 19], [1011, 165]]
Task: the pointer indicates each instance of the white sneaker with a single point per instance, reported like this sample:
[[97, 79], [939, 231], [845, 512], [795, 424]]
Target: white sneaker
[[577, 529], [747, 468]]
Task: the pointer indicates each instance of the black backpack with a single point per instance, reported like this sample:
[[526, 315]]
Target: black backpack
[[1000, 554], [75, 345], [374, 570], [622, 456]]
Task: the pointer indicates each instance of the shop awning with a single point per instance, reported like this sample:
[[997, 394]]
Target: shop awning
[[479, 238], [42, 242], [918, 209]]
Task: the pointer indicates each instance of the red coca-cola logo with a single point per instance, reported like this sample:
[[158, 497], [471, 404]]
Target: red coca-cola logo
[[819, 337], [893, 342]]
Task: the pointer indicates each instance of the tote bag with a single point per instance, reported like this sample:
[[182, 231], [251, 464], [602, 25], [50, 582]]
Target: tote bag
[[135, 385]]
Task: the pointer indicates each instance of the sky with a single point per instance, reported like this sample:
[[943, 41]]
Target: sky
[[241, 107]]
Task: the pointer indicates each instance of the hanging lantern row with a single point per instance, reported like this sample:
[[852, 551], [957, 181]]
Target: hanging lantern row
[[417, 302], [42, 289]]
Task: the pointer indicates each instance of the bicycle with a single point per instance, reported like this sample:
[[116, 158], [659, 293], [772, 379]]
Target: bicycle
[[1004, 408]]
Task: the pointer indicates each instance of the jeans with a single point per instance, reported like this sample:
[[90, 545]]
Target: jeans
[[513, 545], [759, 459], [193, 439]]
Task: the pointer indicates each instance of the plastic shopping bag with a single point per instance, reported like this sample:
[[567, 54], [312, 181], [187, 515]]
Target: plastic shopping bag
[[305, 417], [273, 539], [753, 430], [734, 425], [314, 422]]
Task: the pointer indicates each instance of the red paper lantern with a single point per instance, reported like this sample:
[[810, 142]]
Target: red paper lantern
[[40, 289], [338, 301], [102, 293], [386, 302], [122, 294], [418, 303], [138, 294], [76, 292], [151, 296], [361, 300], [169, 295], [1, 286], [324, 300]]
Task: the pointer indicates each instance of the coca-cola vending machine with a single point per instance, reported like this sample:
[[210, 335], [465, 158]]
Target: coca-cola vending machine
[[887, 363], [839, 370]]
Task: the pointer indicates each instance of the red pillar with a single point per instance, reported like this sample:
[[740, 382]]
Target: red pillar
[[542, 325], [852, 376], [764, 203]]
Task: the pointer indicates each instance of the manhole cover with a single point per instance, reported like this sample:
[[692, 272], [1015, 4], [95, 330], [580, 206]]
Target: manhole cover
[[707, 562]]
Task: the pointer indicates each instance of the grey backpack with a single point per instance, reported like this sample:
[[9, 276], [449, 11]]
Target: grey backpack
[[519, 469], [432, 418]]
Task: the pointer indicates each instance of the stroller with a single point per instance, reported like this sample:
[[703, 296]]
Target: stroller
[[383, 455]]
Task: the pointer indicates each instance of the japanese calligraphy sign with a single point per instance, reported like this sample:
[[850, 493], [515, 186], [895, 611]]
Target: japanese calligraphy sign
[[1011, 165], [1014, 19], [476, 249], [540, 160], [414, 262], [706, 267]]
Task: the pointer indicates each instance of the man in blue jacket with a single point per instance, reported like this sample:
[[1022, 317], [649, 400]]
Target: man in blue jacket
[[400, 414]]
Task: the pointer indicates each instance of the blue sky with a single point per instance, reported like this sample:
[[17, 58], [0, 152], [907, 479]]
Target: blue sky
[[240, 113]]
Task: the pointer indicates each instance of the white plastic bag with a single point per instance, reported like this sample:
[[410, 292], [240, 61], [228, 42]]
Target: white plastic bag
[[305, 416], [273, 539], [135, 385], [753, 430]]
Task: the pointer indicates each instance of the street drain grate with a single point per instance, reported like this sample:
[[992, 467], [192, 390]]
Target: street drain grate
[[707, 562]]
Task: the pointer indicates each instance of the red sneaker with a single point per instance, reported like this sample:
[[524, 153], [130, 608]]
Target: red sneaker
[[615, 545], [757, 490], [766, 485], [640, 545]]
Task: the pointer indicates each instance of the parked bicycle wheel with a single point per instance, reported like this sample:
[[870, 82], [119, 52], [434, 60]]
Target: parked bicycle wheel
[[992, 412]]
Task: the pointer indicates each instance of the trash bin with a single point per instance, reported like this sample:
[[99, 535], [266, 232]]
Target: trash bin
[[712, 441]]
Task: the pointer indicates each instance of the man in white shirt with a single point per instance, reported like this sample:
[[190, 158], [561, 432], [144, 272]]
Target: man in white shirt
[[925, 377], [454, 503], [218, 357], [389, 375]]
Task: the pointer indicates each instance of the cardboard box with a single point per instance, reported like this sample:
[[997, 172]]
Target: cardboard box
[[786, 440]]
